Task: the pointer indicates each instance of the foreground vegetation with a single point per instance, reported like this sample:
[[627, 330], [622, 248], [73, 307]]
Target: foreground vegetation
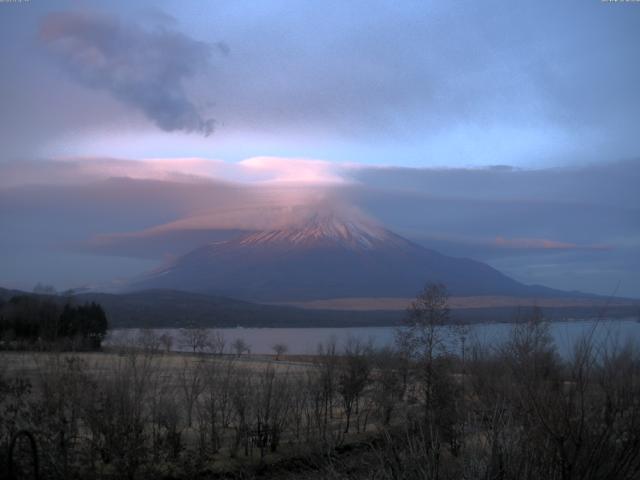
[[44, 322], [419, 410]]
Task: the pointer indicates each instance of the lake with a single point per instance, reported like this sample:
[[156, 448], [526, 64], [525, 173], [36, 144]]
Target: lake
[[306, 340]]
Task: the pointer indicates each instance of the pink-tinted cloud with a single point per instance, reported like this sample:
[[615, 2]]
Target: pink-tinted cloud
[[81, 170], [294, 170], [164, 169], [255, 170]]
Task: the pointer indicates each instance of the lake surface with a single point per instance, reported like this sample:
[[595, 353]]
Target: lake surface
[[306, 340]]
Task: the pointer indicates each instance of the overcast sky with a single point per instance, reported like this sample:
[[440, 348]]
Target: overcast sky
[[502, 131]]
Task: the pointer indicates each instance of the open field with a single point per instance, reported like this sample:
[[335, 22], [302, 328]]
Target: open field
[[221, 412], [354, 412], [32, 364]]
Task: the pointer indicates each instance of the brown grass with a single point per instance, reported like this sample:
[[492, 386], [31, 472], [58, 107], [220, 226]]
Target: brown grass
[[393, 303]]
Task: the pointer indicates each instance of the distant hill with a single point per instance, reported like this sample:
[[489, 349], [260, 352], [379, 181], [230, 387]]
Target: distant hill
[[171, 308], [176, 309]]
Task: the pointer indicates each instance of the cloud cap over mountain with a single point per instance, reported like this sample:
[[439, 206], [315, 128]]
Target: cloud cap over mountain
[[501, 131], [570, 228]]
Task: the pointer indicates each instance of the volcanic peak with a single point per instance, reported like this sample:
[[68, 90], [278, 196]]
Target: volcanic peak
[[324, 229]]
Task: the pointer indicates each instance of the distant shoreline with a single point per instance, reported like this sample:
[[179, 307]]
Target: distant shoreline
[[304, 341], [490, 301]]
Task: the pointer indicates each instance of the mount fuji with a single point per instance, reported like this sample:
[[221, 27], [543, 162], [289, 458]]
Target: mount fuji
[[327, 255]]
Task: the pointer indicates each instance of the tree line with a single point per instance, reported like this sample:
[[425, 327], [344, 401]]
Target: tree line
[[28, 321]]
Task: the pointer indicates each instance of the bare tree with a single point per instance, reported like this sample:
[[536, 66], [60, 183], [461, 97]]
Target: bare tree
[[280, 349], [196, 339], [354, 375], [242, 402], [240, 346], [300, 406], [422, 336], [324, 388], [115, 414], [216, 409], [166, 340], [390, 381], [423, 341], [217, 342], [148, 340], [191, 385], [271, 408]]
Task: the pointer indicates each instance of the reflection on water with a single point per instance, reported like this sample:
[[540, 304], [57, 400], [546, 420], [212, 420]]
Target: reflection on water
[[306, 340]]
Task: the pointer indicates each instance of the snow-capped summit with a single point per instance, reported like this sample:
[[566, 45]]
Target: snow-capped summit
[[324, 229], [326, 253]]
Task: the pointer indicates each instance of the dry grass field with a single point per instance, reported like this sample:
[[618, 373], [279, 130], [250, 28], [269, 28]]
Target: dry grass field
[[33, 364], [412, 412]]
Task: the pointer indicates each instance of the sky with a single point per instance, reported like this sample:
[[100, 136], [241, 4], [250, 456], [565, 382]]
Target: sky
[[501, 131]]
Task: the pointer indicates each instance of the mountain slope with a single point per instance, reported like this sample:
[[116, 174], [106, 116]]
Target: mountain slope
[[327, 256]]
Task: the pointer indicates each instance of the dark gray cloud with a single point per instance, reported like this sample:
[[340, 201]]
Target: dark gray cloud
[[538, 80], [570, 228], [604, 183], [401, 83], [591, 207], [145, 68]]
